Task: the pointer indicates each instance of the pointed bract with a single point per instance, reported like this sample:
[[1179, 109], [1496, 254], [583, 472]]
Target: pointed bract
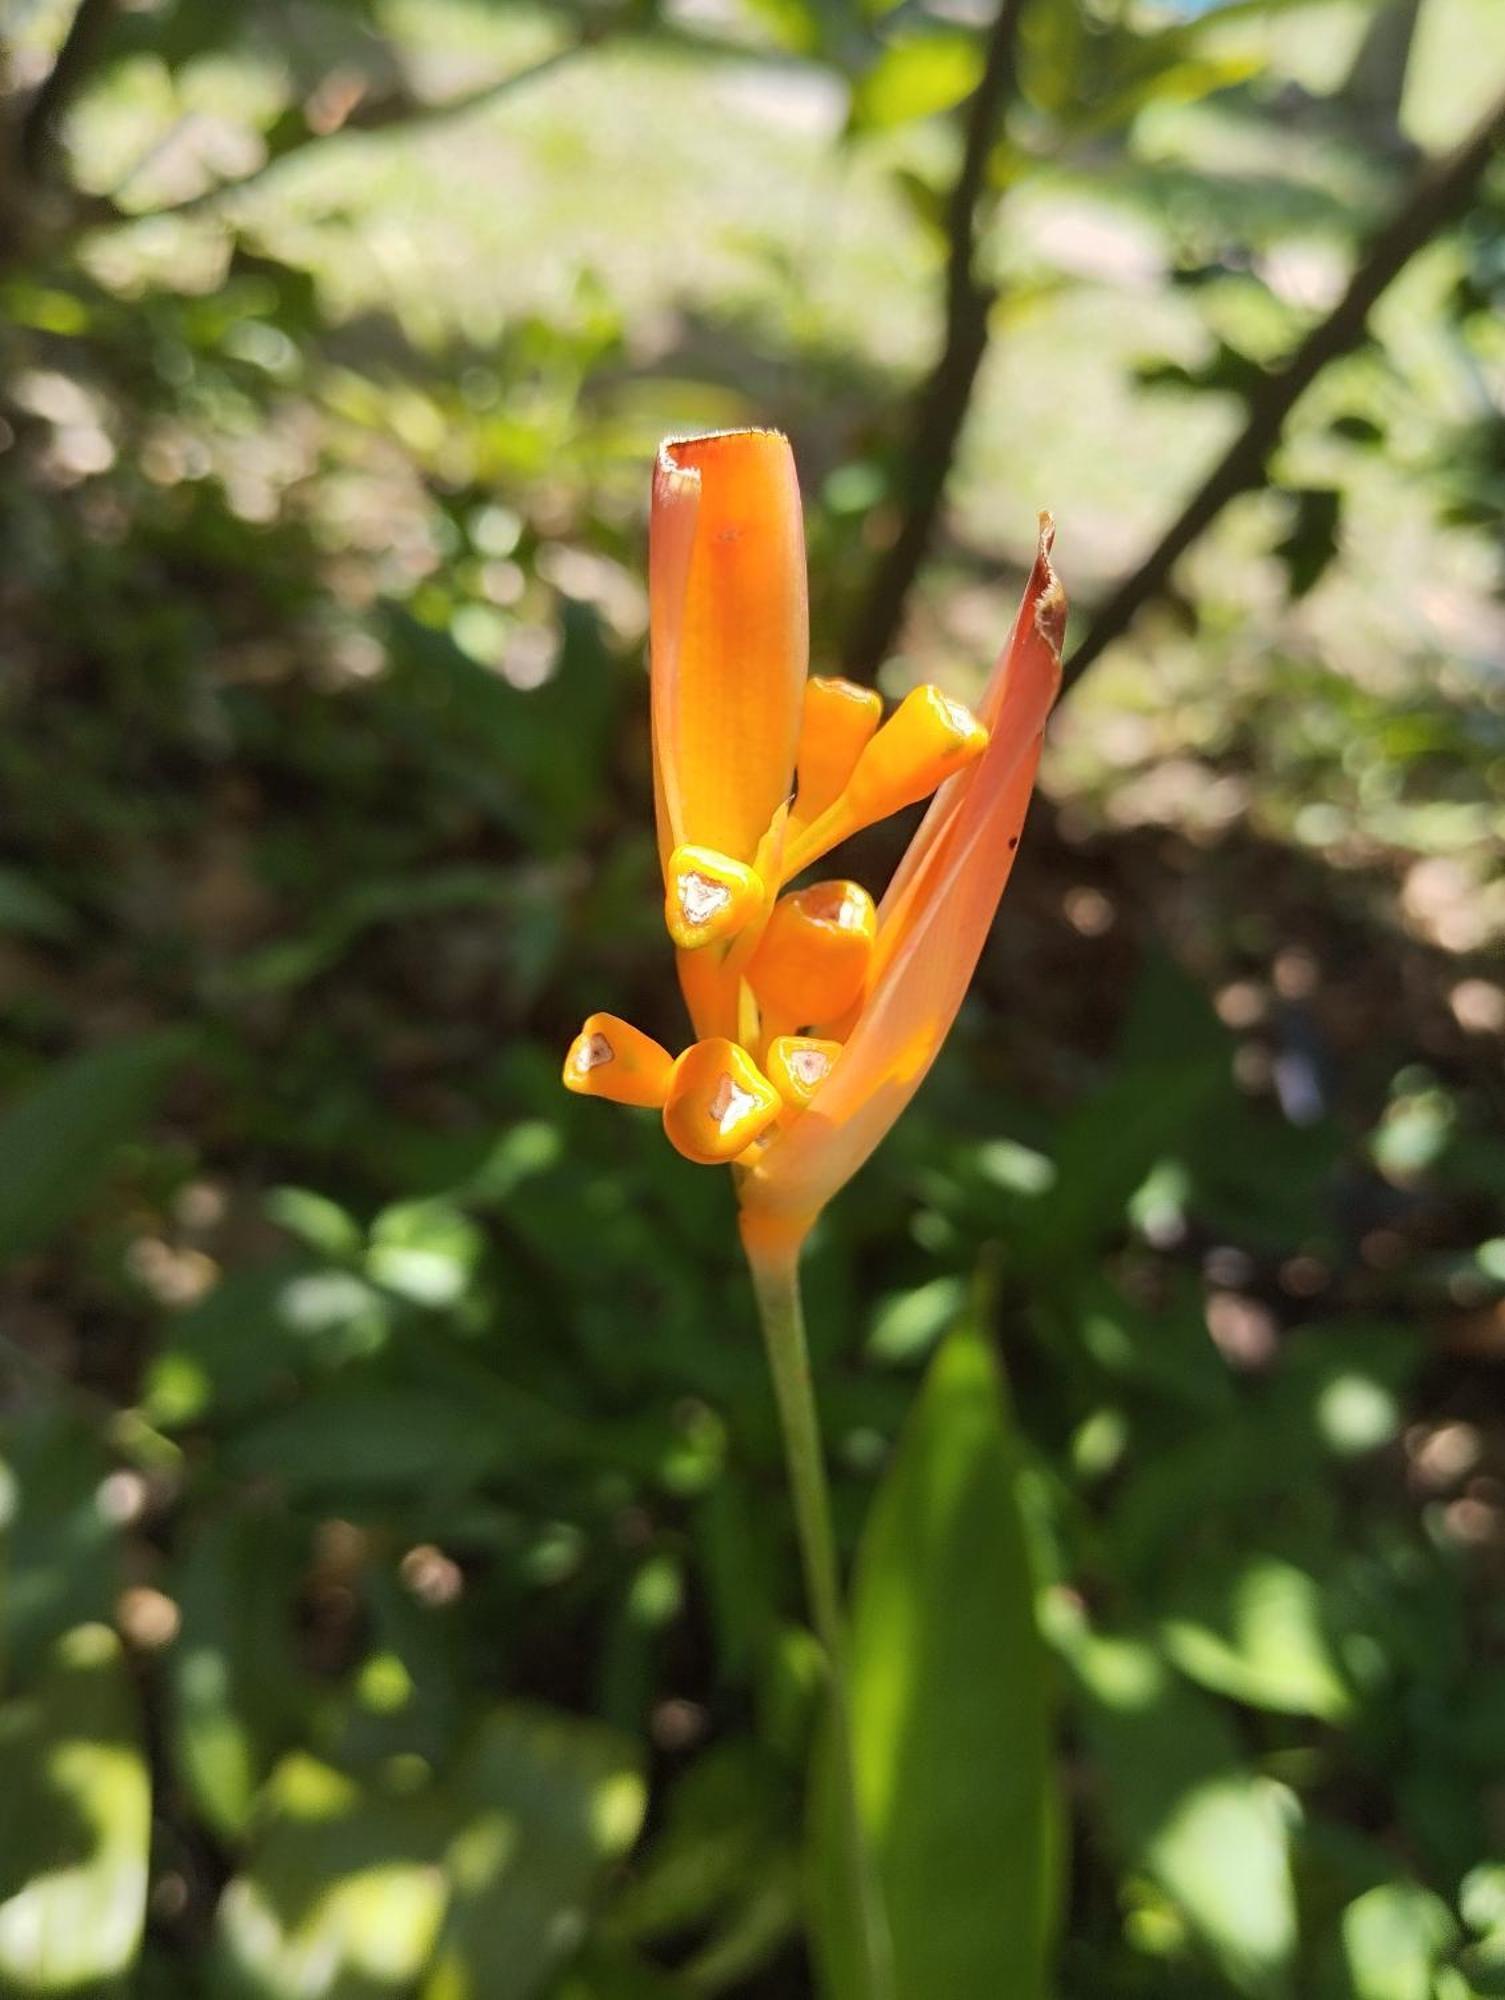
[[931, 932]]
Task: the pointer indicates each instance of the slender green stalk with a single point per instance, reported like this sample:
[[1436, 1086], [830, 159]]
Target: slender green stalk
[[776, 1283]]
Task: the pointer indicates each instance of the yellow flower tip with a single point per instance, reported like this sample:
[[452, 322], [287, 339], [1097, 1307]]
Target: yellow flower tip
[[839, 720], [812, 959], [610, 1058], [708, 896], [719, 1102], [928, 738], [798, 1065]]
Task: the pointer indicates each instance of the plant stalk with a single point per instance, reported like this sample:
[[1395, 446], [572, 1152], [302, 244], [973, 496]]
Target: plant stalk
[[775, 1275]]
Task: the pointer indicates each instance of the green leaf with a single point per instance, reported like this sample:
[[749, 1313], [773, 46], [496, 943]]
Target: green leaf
[[1393, 1939], [58, 1140], [549, 1802], [1182, 1806], [29, 910], [343, 1896], [233, 1682], [1258, 1632], [951, 1715], [63, 1553], [915, 77], [76, 1826]]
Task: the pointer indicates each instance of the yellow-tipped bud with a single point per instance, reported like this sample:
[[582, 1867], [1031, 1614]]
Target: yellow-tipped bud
[[798, 1065], [708, 896], [926, 740], [612, 1059], [719, 1102], [812, 959], [839, 721]]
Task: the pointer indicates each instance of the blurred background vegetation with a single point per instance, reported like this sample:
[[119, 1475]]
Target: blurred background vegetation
[[398, 1589]]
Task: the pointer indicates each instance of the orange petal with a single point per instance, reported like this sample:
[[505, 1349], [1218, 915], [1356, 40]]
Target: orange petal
[[812, 961], [839, 721], [612, 1059], [798, 1065], [718, 1102], [730, 641], [930, 935]]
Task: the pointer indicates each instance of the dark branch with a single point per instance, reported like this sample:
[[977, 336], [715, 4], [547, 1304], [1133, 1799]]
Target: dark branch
[[1440, 196], [39, 127], [942, 405]]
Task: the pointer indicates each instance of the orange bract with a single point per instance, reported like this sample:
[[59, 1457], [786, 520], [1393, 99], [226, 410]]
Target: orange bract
[[729, 635], [732, 716]]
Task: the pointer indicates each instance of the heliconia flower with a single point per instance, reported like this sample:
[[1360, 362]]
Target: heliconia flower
[[817, 1015]]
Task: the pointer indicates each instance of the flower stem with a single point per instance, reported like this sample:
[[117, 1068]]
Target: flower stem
[[775, 1274]]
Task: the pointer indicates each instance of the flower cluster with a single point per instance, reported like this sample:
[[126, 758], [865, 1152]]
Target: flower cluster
[[816, 1012]]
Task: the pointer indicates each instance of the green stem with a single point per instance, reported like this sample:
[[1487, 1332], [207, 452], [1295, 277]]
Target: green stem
[[776, 1283]]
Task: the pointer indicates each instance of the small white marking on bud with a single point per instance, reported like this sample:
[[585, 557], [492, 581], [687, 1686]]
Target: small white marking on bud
[[730, 1104], [700, 898], [809, 1067], [960, 719], [593, 1051]]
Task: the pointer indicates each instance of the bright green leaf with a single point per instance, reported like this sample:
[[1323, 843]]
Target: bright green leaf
[[342, 1897], [549, 1802], [1393, 1938], [1183, 1806], [950, 1708], [915, 77], [76, 1826]]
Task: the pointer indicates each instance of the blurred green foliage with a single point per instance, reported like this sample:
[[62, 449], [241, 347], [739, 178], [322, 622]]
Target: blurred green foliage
[[398, 1588]]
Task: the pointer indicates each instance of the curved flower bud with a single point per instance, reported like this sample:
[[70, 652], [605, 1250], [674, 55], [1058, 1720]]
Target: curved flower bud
[[839, 721], [798, 1065], [928, 739], [812, 960], [708, 897], [610, 1058], [719, 1102]]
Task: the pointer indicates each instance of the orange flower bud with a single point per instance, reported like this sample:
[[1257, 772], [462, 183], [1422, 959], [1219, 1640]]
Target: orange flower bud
[[798, 1065], [926, 740], [839, 720], [813, 957], [719, 1101], [612, 1059], [708, 896]]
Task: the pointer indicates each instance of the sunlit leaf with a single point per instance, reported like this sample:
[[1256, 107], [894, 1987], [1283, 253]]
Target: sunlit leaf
[[1393, 1938], [233, 1683], [342, 1896], [950, 1709], [1184, 1807], [548, 1802], [915, 77], [1258, 1632], [75, 1827]]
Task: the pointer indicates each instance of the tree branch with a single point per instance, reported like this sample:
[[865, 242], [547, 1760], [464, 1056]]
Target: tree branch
[[1440, 196], [369, 115], [942, 405], [39, 127]]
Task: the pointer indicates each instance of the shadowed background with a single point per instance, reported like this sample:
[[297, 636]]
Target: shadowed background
[[398, 1593]]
